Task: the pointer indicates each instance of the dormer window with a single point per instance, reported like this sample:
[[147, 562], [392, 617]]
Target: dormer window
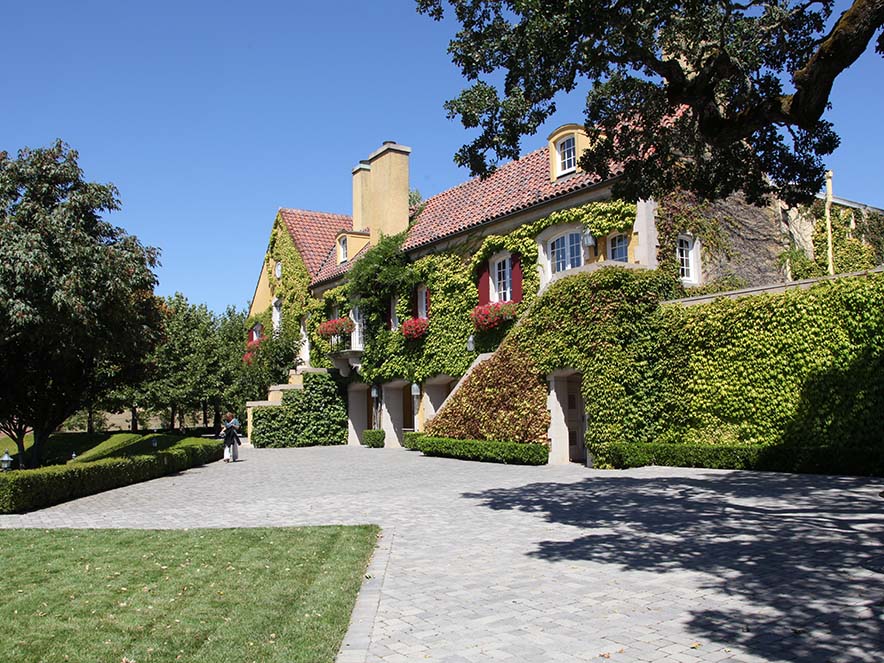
[[567, 155], [342, 250]]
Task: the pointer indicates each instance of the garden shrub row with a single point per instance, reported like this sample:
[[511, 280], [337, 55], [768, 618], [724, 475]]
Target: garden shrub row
[[373, 439], [512, 453], [26, 490], [412, 440], [861, 461], [313, 416]]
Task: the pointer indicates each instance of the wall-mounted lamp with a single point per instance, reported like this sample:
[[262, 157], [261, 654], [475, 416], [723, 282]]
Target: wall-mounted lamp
[[588, 239], [374, 391], [5, 461], [471, 344], [415, 389]]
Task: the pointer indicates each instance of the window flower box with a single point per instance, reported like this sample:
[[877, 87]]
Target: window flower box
[[488, 316], [336, 327], [415, 328]]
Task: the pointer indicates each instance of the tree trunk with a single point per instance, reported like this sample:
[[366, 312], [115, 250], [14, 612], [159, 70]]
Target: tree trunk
[[40, 437], [172, 418], [205, 414], [181, 421], [22, 454], [216, 423], [133, 411], [90, 420]]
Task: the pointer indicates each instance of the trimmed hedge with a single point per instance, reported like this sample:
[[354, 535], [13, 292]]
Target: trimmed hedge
[[412, 440], [512, 453], [313, 416], [26, 490], [373, 439], [861, 461]]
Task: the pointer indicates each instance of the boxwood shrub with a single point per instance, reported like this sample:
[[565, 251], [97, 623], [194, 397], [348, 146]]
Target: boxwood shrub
[[412, 440], [373, 439], [313, 416], [513, 453], [862, 461], [26, 490]]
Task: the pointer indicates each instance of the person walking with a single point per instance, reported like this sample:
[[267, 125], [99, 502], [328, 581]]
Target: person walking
[[231, 438]]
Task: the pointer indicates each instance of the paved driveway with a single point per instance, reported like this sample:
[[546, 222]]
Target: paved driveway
[[484, 562]]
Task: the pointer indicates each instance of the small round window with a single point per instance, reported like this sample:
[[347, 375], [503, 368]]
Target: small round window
[[278, 270]]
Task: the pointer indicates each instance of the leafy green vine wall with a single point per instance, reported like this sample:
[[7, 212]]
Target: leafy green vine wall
[[683, 213], [849, 252], [600, 218]]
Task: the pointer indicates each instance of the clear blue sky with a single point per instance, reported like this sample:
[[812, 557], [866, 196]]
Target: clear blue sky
[[209, 116]]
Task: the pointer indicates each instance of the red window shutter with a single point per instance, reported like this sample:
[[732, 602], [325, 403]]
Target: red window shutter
[[484, 284], [414, 303], [516, 273]]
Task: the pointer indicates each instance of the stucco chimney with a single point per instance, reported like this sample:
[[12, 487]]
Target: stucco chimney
[[380, 191]]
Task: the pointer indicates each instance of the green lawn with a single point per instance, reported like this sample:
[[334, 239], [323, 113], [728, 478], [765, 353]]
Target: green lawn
[[232, 595], [93, 446]]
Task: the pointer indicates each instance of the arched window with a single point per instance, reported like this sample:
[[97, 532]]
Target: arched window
[[618, 248], [277, 316], [565, 252]]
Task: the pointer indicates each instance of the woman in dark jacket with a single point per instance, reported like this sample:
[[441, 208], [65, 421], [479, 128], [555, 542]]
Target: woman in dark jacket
[[231, 439]]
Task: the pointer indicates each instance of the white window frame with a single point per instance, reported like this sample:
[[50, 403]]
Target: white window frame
[[504, 259], [356, 335], [568, 244], [304, 349], [687, 255], [276, 316], [256, 331], [566, 162], [611, 239], [422, 308], [342, 249], [394, 316]]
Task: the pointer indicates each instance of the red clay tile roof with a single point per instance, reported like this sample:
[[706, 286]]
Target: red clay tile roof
[[332, 269], [314, 234], [512, 187]]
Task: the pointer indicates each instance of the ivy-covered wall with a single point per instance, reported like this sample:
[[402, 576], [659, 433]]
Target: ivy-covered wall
[[855, 235], [314, 415]]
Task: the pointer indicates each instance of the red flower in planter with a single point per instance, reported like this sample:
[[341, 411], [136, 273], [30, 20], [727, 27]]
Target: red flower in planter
[[415, 328], [247, 358], [252, 345], [489, 316], [336, 327]]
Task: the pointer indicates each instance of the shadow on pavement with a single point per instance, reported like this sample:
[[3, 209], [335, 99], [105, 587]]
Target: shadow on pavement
[[802, 555]]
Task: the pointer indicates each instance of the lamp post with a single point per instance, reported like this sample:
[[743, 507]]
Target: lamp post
[[5, 461], [375, 405], [73, 455], [416, 396]]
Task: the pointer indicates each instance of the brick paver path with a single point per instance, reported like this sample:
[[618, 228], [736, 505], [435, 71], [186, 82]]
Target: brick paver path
[[484, 562]]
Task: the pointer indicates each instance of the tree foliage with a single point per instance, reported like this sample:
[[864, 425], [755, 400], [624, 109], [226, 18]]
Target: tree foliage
[[77, 311], [715, 97]]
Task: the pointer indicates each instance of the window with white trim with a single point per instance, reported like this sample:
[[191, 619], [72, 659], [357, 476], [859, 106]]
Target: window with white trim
[[567, 153], [618, 248], [394, 317], [566, 252], [256, 332], [686, 255], [423, 302], [502, 279], [276, 316], [342, 250]]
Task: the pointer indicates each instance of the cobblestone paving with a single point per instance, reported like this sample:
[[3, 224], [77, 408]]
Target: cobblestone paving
[[485, 562]]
